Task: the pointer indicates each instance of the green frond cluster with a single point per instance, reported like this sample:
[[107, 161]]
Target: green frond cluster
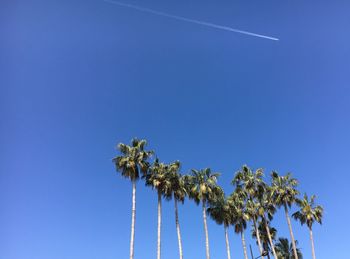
[[166, 179], [308, 212], [283, 189], [202, 185], [284, 249], [239, 213], [133, 159], [221, 211]]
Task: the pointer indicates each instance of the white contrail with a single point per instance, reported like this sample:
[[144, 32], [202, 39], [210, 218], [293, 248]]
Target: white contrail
[[180, 18]]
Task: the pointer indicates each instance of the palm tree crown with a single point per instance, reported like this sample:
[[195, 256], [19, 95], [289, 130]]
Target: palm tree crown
[[309, 212], [250, 181], [220, 211], [284, 249], [283, 189], [237, 202], [159, 177], [267, 203], [133, 159], [203, 185], [177, 183]]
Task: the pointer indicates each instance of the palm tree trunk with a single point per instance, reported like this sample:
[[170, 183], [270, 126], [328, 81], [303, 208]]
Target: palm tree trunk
[[270, 238], [133, 215], [205, 230], [227, 244], [258, 237], [312, 244], [178, 229], [159, 222], [291, 232], [244, 246]]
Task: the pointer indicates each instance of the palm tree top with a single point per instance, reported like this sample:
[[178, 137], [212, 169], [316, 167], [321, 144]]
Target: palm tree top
[[221, 211], [283, 189], [133, 159], [177, 187], [284, 249], [253, 208], [159, 176], [237, 203], [266, 202], [309, 212], [252, 182], [202, 185]]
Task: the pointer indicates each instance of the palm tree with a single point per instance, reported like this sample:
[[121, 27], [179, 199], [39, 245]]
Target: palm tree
[[285, 250], [266, 211], [284, 193], [309, 213], [266, 233], [253, 185], [158, 178], [237, 201], [130, 163], [203, 188], [221, 212], [179, 192], [252, 210]]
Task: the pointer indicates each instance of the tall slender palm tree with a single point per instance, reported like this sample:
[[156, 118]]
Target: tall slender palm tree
[[309, 213], [158, 178], [203, 188], [268, 208], [237, 201], [178, 191], [284, 193], [253, 185], [285, 250], [132, 161], [220, 211]]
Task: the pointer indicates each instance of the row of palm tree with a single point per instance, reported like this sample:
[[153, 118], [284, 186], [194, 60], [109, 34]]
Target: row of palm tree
[[252, 200]]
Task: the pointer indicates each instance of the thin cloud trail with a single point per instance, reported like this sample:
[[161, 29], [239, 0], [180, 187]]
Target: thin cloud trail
[[184, 19]]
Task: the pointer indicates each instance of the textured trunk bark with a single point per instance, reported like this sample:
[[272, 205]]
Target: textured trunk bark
[[178, 229], [159, 223], [133, 215], [244, 246], [291, 231], [205, 230], [258, 237], [312, 244], [227, 244], [270, 239]]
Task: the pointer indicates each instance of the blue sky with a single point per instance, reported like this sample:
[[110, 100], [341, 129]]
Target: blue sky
[[77, 77]]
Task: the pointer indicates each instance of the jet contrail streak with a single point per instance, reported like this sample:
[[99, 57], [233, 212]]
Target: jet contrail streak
[[184, 19]]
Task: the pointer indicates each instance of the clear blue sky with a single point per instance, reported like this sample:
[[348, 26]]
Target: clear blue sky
[[77, 77]]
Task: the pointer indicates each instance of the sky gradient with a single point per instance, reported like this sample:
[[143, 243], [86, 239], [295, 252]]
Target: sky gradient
[[77, 77]]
